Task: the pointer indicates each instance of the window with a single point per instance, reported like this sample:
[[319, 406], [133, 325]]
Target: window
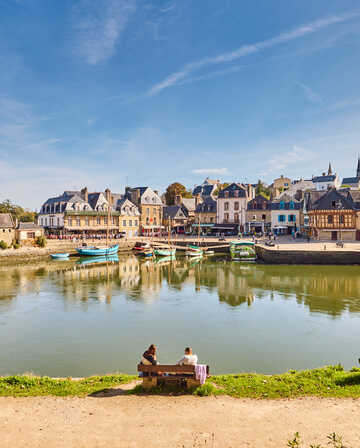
[[330, 219], [155, 220], [291, 218], [226, 194], [281, 218], [98, 221], [236, 217], [236, 206], [30, 235], [135, 222], [105, 221], [342, 219], [78, 222], [236, 194], [69, 222], [87, 221], [226, 217], [254, 217], [263, 217], [333, 204], [282, 205], [147, 221], [58, 221], [148, 211], [211, 219], [291, 205], [130, 223], [124, 222], [226, 206]]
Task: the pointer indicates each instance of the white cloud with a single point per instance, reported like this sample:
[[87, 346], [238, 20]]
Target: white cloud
[[245, 50], [98, 26], [310, 93], [296, 156], [210, 171]]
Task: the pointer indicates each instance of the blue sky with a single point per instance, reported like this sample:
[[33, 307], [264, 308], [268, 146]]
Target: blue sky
[[112, 92]]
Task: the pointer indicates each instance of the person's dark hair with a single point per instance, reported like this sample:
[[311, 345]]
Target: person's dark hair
[[152, 349], [188, 350]]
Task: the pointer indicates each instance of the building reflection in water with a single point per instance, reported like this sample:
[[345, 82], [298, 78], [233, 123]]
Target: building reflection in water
[[330, 290]]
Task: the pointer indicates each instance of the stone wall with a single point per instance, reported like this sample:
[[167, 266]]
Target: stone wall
[[273, 256], [7, 235]]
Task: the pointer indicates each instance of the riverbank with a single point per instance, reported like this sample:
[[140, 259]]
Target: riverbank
[[331, 381], [178, 421], [54, 246]]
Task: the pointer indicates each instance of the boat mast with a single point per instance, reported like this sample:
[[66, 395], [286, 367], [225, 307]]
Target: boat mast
[[108, 219]]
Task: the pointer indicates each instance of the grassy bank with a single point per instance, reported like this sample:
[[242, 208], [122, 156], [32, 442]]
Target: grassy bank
[[330, 381]]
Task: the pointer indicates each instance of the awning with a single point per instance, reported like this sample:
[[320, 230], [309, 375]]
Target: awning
[[203, 225], [153, 227], [226, 226], [280, 227]]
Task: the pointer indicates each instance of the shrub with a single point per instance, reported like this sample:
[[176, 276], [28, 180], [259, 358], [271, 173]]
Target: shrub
[[3, 245], [15, 244], [41, 241]]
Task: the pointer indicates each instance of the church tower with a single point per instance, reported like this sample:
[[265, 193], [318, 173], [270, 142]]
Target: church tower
[[330, 169], [358, 168]]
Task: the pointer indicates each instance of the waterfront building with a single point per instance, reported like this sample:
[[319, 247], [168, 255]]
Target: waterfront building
[[80, 213], [258, 215], [207, 188], [205, 214], [27, 232], [231, 207], [280, 185], [285, 215], [129, 217], [150, 207], [297, 188], [353, 182], [334, 215], [7, 228], [175, 217], [326, 181]]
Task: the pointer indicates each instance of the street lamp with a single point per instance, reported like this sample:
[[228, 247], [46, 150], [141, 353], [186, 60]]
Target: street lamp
[[338, 205]]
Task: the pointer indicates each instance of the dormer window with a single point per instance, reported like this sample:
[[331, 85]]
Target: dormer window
[[226, 194], [291, 205]]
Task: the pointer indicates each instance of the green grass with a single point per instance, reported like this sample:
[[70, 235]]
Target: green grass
[[331, 381], [32, 386]]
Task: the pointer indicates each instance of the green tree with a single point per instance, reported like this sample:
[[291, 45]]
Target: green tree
[[173, 190], [261, 189], [220, 187], [17, 212]]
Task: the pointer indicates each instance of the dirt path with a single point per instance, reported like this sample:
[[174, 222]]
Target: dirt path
[[118, 420]]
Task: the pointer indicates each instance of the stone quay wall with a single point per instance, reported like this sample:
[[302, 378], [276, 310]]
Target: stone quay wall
[[331, 257]]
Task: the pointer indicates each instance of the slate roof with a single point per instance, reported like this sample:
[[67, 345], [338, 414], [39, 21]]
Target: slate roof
[[28, 226], [189, 204], [207, 206], [172, 211], [204, 190], [92, 199], [6, 221], [326, 201], [258, 200], [351, 180], [324, 178], [231, 189], [123, 201]]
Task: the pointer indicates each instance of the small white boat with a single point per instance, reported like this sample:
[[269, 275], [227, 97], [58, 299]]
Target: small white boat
[[59, 256]]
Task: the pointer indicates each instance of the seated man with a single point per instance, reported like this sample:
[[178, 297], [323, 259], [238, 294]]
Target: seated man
[[189, 359]]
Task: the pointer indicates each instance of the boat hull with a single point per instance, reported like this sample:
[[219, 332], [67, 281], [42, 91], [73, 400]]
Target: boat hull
[[243, 251], [96, 251], [165, 252], [59, 256]]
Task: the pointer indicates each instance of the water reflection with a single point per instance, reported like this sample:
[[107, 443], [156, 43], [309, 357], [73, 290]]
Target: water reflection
[[330, 290]]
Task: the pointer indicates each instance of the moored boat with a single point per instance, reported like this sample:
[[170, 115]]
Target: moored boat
[[140, 246], [193, 251], [93, 251], [165, 252], [60, 256], [242, 251]]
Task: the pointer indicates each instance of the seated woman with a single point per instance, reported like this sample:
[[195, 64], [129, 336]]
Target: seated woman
[[149, 358], [189, 358]]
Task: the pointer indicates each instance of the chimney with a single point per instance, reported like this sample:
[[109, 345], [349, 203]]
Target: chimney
[[156, 192], [178, 199], [85, 194], [324, 174], [108, 196]]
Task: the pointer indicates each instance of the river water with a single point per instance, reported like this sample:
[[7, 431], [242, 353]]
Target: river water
[[68, 319]]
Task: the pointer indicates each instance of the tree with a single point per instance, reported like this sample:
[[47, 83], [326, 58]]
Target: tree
[[17, 212], [220, 187], [261, 189], [176, 189]]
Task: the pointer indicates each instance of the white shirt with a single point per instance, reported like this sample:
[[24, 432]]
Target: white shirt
[[188, 360]]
